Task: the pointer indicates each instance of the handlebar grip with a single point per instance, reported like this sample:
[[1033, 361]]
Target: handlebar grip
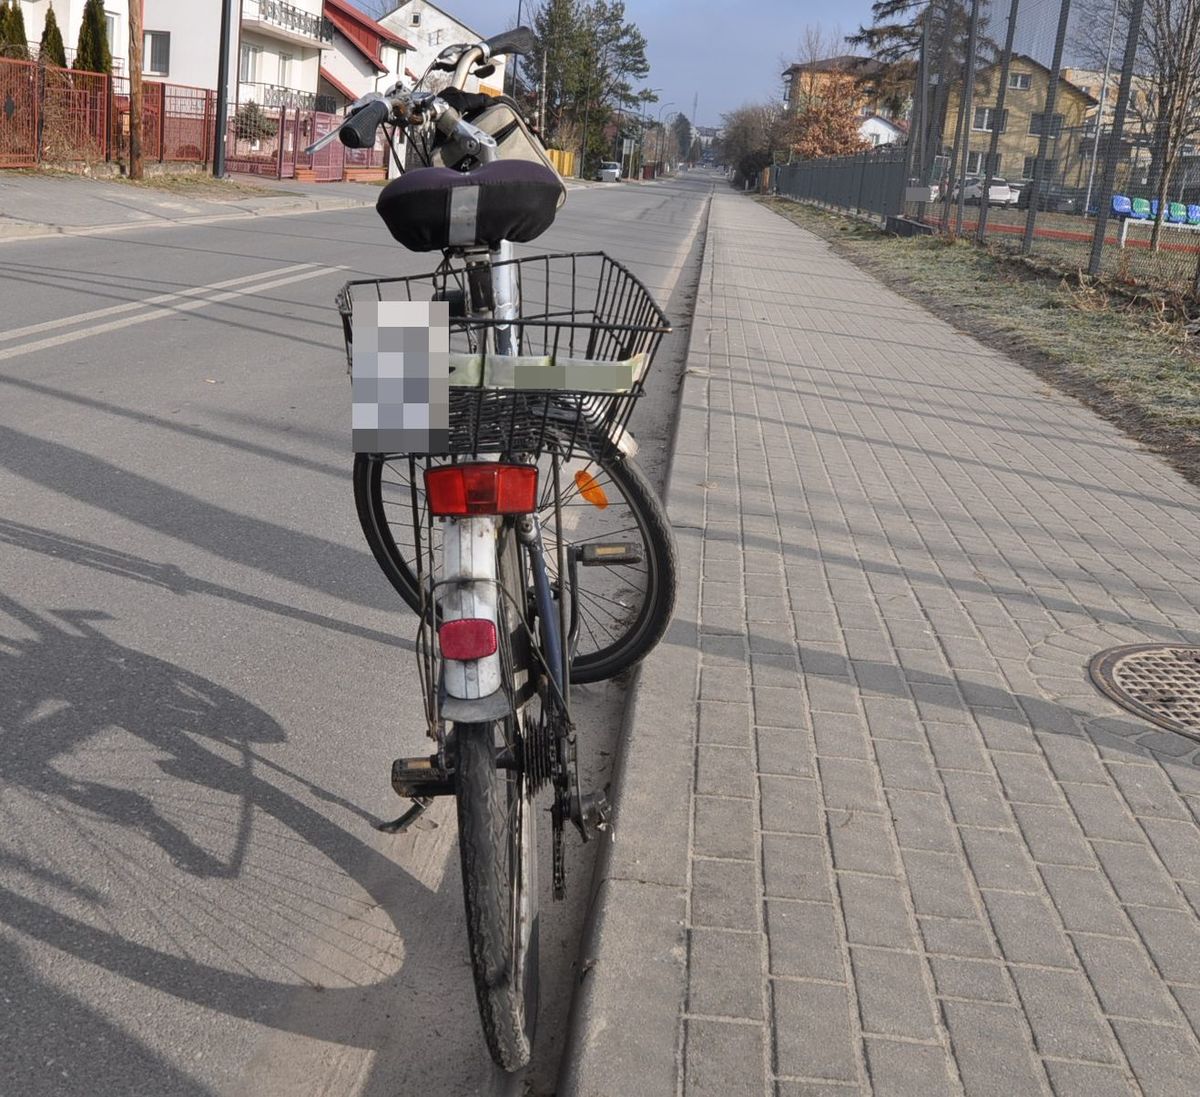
[[519, 40], [358, 131]]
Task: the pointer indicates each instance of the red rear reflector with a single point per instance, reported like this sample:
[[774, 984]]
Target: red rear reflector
[[459, 490], [470, 638]]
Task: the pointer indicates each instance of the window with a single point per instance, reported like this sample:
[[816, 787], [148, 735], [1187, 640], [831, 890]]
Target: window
[[1018, 81], [112, 28], [1047, 168], [248, 68], [415, 18], [156, 53], [975, 162], [434, 37], [285, 70], [985, 119], [1035, 124]]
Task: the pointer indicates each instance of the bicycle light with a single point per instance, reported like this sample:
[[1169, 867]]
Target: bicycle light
[[468, 638], [456, 491]]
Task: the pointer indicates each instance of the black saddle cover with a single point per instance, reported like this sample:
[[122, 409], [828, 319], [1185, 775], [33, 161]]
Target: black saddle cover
[[432, 209]]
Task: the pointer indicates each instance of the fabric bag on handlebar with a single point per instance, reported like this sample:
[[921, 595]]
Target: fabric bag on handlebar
[[499, 116]]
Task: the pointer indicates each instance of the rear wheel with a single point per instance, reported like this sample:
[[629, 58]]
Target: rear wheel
[[498, 847], [623, 609]]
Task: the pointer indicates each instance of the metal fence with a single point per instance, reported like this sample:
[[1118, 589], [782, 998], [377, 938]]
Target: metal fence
[[868, 183], [1066, 129]]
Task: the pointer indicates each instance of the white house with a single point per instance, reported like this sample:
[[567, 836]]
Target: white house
[[69, 16], [429, 30], [877, 130], [365, 56]]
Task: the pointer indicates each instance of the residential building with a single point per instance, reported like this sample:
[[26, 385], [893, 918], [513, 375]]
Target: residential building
[[1092, 80], [877, 130], [840, 77], [279, 52], [365, 56], [1022, 124], [430, 29], [69, 16]]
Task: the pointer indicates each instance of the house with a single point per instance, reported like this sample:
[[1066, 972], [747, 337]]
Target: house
[[877, 130], [365, 56], [69, 16], [429, 30], [1022, 124], [838, 77]]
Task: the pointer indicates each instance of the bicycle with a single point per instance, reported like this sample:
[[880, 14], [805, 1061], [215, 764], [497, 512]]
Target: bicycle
[[531, 547]]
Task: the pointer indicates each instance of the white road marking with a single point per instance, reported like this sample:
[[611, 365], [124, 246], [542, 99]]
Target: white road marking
[[159, 312], [133, 306]]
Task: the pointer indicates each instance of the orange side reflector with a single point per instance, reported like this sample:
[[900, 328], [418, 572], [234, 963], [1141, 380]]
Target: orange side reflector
[[590, 489]]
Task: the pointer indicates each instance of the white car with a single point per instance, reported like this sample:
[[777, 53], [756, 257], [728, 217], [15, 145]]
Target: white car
[[1000, 193], [609, 171]]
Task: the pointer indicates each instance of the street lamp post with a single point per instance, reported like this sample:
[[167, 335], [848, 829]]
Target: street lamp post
[[512, 61], [645, 95], [659, 135]]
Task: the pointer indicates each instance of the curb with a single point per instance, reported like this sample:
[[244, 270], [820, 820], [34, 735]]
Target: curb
[[32, 230], [625, 1029]]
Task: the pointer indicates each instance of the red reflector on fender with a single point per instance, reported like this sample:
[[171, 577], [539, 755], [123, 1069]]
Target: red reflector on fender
[[470, 638], [491, 488]]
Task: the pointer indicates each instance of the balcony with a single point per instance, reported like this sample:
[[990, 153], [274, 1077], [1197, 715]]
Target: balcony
[[278, 19], [274, 96]]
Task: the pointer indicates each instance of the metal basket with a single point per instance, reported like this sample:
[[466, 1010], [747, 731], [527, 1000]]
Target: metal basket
[[582, 306]]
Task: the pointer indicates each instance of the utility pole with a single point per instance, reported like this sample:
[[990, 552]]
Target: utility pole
[[220, 122], [968, 93], [135, 89], [997, 124], [1112, 34]]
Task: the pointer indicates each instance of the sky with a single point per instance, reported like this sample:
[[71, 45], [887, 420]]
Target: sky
[[728, 54]]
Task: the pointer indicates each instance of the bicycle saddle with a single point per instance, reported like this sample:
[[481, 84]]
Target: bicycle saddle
[[431, 209]]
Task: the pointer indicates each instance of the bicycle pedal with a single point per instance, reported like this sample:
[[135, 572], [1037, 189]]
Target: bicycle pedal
[[614, 553], [420, 778]]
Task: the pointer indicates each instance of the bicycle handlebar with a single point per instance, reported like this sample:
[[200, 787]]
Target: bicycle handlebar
[[520, 40], [358, 130]]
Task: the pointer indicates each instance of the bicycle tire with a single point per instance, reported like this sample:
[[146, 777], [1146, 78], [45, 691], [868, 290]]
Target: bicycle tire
[[627, 642]]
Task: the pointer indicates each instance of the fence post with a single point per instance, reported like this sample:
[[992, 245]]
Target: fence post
[[280, 131], [968, 105], [997, 122], [1064, 13], [1115, 136]]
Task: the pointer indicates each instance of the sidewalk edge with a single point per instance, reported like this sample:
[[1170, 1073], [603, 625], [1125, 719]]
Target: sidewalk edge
[[625, 1027]]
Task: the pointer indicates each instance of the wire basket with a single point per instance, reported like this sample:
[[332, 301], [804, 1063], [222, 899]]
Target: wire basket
[[580, 307]]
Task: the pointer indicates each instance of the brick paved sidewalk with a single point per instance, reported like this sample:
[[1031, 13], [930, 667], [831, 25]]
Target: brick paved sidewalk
[[926, 855]]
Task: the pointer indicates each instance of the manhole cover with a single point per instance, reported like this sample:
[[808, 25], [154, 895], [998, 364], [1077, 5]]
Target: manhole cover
[[1159, 682]]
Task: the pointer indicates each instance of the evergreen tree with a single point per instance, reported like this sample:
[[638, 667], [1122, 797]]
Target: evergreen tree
[[93, 53], [51, 50], [18, 42], [5, 38]]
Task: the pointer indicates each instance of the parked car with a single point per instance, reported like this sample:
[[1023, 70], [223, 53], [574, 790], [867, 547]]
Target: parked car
[[609, 171], [1054, 199], [1001, 194]]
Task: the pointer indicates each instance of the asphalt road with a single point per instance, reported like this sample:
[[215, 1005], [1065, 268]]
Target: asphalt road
[[204, 677]]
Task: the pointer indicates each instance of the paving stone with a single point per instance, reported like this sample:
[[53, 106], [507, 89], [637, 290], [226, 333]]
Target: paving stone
[[805, 940], [848, 784], [840, 735], [724, 771], [1085, 900], [1073, 758], [724, 894], [991, 1049], [791, 1088], [780, 707], [957, 746], [893, 999], [875, 911], [725, 973], [975, 979], [1005, 729], [1136, 875], [729, 684], [999, 859], [791, 805], [903, 1069], [724, 724], [1053, 835], [976, 799], [1164, 1060], [1148, 791], [1178, 844], [905, 765], [832, 694], [938, 882], [889, 718], [787, 751], [1065, 1022], [795, 867], [1087, 1080], [1102, 813], [725, 828], [1172, 938], [1028, 930], [1124, 981], [862, 843], [812, 1031], [922, 821], [723, 1060]]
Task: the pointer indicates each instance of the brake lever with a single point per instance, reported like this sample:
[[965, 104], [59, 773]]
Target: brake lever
[[324, 142]]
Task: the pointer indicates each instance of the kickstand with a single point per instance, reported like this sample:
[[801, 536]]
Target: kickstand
[[399, 826]]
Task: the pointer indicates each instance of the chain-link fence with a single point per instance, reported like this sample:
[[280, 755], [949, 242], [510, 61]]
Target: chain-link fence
[[867, 183], [1068, 129]]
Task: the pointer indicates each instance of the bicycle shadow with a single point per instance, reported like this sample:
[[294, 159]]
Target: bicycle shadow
[[66, 683]]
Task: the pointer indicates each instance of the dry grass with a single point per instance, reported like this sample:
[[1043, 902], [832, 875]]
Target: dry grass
[[199, 185], [1130, 356]]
